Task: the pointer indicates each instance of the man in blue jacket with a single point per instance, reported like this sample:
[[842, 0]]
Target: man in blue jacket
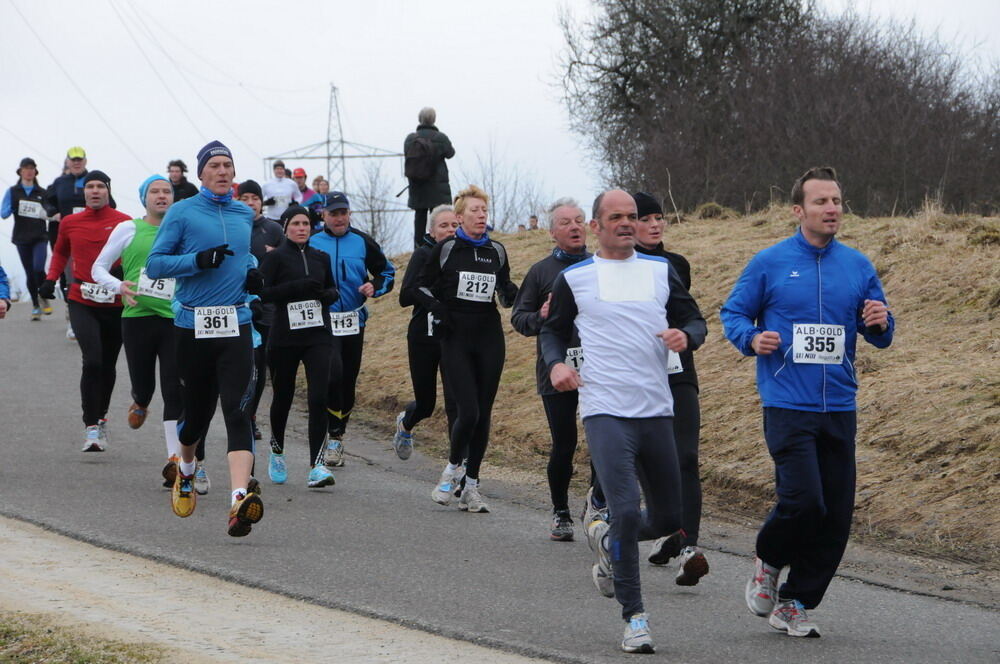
[[204, 242], [799, 307], [361, 271]]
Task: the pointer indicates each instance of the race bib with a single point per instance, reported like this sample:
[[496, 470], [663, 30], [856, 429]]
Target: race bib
[[306, 313], [345, 323], [216, 322], [78, 210], [817, 343], [162, 289], [574, 357], [476, 286], [673, 363], [31, 209], [96, 293], [626, 281]]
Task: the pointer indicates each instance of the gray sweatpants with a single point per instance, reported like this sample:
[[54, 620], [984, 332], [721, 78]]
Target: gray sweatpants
[[619, 448]]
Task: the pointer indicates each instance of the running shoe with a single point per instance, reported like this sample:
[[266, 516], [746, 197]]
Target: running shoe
[[693, 566], [170, 471], [562, 527], [253, 486], [36, 314], [183, 498], [458, 481], [637, 638], [201, 482], [334, 453], [70, 334], [445, 486], [136, 415], [602, 571], [666, 548], [92, 442], [257, 435], [320, 476], [762, 589], [47, 307], [276, 469], [591, 512], [471, 501], [402, 442], [245, 512], [790, 617], [103, 424]]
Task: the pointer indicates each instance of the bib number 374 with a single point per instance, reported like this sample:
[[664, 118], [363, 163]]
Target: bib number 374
[[216, 322], [817, 343]]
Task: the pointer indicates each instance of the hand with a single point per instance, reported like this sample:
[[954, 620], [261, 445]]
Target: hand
[[674, 339], [564, 378], [47, 290], [212, 258], [127, 291], [256, 311], [875, 314], [268, 247], [4, 306], [254, 283], [366, 289], [543, 313], [766, 343]]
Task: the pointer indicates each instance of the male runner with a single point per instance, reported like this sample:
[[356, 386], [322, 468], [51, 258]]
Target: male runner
[[280, 191]]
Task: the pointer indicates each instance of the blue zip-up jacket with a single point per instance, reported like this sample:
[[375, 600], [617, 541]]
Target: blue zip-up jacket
[[196, 224], [4, 285], [355, 258], [795, 282]]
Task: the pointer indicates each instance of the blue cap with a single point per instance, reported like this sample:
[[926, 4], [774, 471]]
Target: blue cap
[[337, 200], [144, 187]]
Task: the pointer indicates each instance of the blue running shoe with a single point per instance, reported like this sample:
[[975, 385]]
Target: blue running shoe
[[637, 638], [320, 476], [402, 442], [36, 313], [276, 468]]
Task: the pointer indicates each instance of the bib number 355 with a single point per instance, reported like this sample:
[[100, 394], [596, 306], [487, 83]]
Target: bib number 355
[[216, 322], [817, 343]]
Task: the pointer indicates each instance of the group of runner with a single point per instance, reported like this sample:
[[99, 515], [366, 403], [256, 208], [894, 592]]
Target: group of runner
[[197, 285]]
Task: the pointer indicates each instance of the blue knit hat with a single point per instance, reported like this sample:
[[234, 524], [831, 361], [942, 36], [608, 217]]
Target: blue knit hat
[[213, 149], [144, 187]]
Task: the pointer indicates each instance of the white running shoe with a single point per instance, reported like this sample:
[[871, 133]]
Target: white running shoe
[[103, 424], [693, 566], [762, 589], [69, 332], [637, 638], [471, 501], [334, 453], [201, 482], [590, 512], [402, 442], [92, 441], [602, 571], [446, 485], [790, 617]]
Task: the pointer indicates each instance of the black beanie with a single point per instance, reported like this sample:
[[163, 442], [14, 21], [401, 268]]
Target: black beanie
[[646, 204], [250, 187], [290, 212], [97, 175]]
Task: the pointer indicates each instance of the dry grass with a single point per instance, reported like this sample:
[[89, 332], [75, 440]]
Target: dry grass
[[929, 406], [35, 638]]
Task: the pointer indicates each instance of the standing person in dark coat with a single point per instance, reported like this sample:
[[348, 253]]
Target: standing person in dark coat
[[426, 171], [182, 188]]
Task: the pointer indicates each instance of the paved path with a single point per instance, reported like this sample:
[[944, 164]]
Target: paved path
[[375, 544]]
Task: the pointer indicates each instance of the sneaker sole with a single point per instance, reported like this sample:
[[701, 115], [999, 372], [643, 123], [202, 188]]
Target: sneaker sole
[[169, 473], [565, 537], [94, 447], [644, 649], [671, 549], [481, 510], [781, 626], [404, 452], [326, 481], [251, 511], [692, 570]]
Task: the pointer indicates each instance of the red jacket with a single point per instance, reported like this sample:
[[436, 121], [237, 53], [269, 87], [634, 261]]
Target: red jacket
[[82, 236]]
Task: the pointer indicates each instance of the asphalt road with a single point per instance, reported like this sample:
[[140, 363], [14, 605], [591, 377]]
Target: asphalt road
[[377, 545]]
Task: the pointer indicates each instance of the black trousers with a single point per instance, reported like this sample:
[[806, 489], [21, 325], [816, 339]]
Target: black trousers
[[425, 362], [63, 279], [472, 359], [345, 364], [260, 360], [814, 469], [560, 411], [99, 334], [207, 365], [419, 225], [284, 364], [148, 340], [32, 257], [687, 426]]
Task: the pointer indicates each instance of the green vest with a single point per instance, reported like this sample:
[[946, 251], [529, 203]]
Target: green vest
[[133, 261]]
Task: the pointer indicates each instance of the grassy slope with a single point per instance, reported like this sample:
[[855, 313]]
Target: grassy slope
[[929, 406]]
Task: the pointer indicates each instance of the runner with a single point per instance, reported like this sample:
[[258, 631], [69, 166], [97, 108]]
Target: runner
[[457, 285], [4, 293], [25, 200], [280, 191], [422, 346], [361, 271], [687, 414], [265, 236], [620, 302], [799, 306], [95, 312], [569, 231], [298, 281], [147, 318], [204, 242]]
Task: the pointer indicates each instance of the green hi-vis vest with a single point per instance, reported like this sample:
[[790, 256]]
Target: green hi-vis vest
[[133, 262]]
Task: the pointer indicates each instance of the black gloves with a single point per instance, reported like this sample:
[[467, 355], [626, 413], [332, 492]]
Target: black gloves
[[47, 290], [257, 311], [212, 258], [255, 281]]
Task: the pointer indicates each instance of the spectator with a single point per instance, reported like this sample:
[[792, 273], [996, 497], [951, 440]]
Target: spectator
[[426, 171], [299, 175], [279, 192], [182, 188], [533, 223]]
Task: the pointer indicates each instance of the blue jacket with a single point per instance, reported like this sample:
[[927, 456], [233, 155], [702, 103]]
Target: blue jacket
[[193, 225], [355, 258], [794, 282], [4, 286]]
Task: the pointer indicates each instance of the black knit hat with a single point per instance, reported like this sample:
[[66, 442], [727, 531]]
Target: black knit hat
[[250, 187], [646, 204], [27, 162], [290, 212], [97, 175]]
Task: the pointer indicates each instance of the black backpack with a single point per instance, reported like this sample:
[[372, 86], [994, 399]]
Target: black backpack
[[420, 159]]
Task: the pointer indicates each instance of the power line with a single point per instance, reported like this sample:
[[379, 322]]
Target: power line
[[79, 90], [31, 147]]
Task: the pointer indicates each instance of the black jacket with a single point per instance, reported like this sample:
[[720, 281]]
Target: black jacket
[[683, 267], [425, 194], [294, 274], [27, 230], [420, 329], [183, 190], [62, 196], [265, 233]]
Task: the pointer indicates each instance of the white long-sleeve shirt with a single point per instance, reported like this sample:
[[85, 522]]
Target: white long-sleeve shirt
[[120, 238], [283, 191]]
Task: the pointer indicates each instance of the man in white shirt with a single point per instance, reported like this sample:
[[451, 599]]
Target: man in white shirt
[[279, 192]]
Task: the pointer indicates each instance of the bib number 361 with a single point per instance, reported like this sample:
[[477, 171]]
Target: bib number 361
[[215, 322], [817, 343]]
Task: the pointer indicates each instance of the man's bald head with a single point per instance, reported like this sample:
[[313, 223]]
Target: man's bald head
[[612, 196]]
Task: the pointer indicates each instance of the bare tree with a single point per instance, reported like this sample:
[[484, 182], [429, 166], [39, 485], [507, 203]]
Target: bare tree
[[515, 194], [375, 210]]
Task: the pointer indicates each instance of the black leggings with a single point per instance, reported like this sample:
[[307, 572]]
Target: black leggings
[[99, 333], [260, 361], [472, 359], [225, 365], [148, 339], [560, 411], [284, 363], [345, 363], [32, 257], [419, 226], [63, 278], [687, 424], [425, 360]]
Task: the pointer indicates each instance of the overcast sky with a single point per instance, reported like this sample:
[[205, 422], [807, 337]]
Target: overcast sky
[[167, 77]]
